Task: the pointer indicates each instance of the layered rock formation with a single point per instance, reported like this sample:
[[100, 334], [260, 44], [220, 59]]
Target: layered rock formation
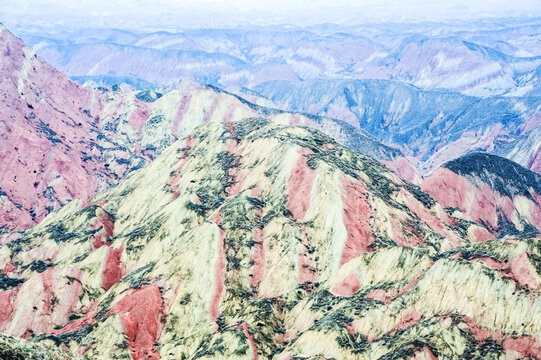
[[221, 231], [252, 240]]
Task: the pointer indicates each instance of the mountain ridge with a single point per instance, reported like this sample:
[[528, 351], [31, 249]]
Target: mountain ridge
[[103, 135], [460, 61], [430, 127]]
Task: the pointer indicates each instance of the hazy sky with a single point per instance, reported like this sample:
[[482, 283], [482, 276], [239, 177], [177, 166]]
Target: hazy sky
[[227, 13]]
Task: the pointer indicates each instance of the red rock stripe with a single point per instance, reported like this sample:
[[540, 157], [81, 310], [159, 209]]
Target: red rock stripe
[[183, 107], [300, 185], [348, 286], [357, 213], [251, 340], [114, 268], [139, 117], [306, 272], [526, 346], [6, 307], [219, 272], [141, 314]]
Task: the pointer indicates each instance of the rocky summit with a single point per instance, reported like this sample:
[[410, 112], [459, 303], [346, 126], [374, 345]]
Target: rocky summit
[[254, 240]]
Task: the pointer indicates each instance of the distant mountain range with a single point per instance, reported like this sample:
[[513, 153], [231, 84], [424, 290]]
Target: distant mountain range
[[431, 127], [490, 61], [462, 88], [61, 141]]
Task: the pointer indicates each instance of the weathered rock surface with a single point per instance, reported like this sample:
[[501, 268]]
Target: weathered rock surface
[[17, 349], [253, 240]]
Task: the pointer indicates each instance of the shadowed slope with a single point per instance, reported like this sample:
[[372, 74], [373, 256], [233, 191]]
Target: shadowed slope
[[490, 190]]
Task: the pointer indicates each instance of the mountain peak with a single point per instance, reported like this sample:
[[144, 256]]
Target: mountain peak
[[503, 175], [493, 191]]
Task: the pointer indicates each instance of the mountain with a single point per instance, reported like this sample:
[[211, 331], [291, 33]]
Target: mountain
[[456, 64], [513, 40], [109, 81], [256, 240], [489, 190], [492, 59], [429, 127], [61, 141], [191, 222]]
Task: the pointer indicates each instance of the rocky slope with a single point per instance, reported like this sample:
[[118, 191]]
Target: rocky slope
[[17, 349], [430, 127], [49, 149], [252, 240], [490, 190], [61, 141]]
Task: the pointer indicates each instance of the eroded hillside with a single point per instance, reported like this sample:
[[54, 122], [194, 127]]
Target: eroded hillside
[[254, 240]]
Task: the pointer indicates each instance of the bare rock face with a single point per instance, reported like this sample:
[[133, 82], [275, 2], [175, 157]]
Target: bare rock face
[[253, 240], [489, 190], [44, 137], [60, 141]]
